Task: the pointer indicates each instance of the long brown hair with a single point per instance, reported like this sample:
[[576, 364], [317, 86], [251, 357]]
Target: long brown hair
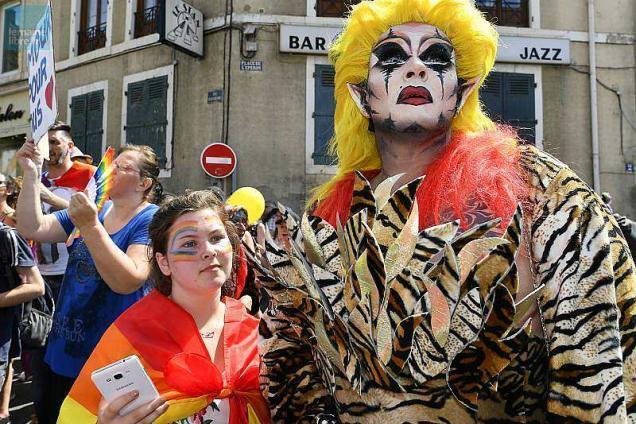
[[168, 213]]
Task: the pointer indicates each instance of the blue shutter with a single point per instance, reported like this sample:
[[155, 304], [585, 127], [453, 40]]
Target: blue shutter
[[94, 125], [324, 107], [78, 121], [492, 96], [87, 111], [519, 104], [146, 115], [509, 98]]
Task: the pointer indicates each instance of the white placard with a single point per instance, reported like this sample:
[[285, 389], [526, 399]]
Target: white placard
[[42, 98], [554, 51], [183, 26]]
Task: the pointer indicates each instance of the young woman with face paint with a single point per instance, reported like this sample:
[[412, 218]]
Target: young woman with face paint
[[107, 267], [407, 78], [198, 346]]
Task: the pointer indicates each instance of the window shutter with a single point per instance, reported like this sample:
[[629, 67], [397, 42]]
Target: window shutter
[[78, 121], [519, 104], [146, 119], [94, 127], [509, 99], [324, 107], [492, 96]]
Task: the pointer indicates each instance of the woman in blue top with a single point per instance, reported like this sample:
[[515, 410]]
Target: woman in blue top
[[108, 265]]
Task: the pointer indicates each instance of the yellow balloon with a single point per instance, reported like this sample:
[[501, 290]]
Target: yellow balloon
[[250, 199]]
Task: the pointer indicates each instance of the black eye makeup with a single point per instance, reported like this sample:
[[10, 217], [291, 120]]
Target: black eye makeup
[[438, 57], [390, 56]]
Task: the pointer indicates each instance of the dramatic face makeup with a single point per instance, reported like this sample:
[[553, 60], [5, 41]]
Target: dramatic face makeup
[[412, 85], [199, 252]]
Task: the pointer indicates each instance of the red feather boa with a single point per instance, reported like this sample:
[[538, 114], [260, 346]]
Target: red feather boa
[[481, 169]]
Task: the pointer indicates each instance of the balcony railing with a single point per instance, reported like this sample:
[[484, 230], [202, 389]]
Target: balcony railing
[[512, 13], [334, 8], [92, 38], [146, 21]]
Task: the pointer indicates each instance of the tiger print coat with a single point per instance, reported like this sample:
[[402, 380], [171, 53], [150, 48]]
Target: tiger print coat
[[583, 370]]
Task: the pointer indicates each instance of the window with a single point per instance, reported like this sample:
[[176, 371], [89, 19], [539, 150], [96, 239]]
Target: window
[[509, 98], [87, 122], [324, 107], [146, 17], [11, 18], [513, 13], [93, 23], [147, 114], [334, 8]]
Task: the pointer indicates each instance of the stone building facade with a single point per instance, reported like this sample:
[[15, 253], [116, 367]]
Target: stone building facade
[[128, 72]]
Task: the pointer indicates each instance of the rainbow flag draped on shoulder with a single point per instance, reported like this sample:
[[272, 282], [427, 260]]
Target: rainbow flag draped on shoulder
[[167, 341]]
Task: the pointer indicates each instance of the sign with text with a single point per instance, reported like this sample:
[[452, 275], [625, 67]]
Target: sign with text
[[42, 99], [14, 114], [251, 65], [553, 51], [316, 39], [183, 27], [307, 39]]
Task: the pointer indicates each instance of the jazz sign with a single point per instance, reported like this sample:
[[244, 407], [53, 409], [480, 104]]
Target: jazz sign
[[553, 51], [42, 100]]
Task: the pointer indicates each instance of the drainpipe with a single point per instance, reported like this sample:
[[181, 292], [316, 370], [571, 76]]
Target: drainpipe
[[593, 99]]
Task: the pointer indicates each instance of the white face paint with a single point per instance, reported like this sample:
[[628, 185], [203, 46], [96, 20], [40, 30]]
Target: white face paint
[[412, 85]]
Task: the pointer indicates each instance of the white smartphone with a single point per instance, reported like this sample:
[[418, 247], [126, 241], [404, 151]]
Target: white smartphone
[[122, 377]]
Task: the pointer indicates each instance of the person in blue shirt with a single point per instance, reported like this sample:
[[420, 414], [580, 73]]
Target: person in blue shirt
[[108, 264]]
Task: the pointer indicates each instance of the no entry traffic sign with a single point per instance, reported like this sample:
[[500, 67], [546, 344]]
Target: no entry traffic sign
[[218, 160]]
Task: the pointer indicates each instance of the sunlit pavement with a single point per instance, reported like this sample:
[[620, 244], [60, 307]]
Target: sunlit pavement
[[21, 406]]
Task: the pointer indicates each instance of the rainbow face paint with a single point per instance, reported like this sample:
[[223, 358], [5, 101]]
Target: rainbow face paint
[[190, 238], [184, 234], [199, 251]]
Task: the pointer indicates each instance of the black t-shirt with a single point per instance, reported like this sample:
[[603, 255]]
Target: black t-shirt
[[14, 252]]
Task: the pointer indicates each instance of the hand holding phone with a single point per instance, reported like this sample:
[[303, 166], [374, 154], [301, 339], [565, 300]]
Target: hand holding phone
[[109, 412], [124, 377]]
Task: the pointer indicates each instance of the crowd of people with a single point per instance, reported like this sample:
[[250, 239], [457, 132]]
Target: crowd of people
[[498, 288]]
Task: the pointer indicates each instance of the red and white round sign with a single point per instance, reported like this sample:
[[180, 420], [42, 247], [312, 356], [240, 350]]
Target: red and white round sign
[[218, 160]]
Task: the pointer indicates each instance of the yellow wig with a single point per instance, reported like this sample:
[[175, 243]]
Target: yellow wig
[[475, 43]]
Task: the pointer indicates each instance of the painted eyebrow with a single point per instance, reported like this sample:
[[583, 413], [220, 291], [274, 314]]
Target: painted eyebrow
[[187, 226], [392, 35], [184, 232], [436, 37]]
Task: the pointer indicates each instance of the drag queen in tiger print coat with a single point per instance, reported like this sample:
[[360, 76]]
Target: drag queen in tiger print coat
[[447, 273]]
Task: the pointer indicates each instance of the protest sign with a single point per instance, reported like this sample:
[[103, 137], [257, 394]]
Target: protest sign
[[42, 99]]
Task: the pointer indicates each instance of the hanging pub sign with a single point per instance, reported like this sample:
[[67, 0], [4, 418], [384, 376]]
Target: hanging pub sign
[[181, 26]]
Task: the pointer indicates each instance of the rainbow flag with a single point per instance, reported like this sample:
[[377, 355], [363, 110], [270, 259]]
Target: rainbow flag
[[103, 184], [167, 341]]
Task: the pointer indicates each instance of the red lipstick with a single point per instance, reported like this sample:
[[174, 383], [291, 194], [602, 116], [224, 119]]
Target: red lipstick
[[415, 96]]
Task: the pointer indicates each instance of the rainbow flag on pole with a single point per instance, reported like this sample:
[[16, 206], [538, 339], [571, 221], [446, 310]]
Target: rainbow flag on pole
[[103, 184]]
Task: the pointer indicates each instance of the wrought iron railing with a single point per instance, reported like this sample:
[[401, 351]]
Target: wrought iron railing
[[91, 38], [334, 8], [146, 21], [512, 13]]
